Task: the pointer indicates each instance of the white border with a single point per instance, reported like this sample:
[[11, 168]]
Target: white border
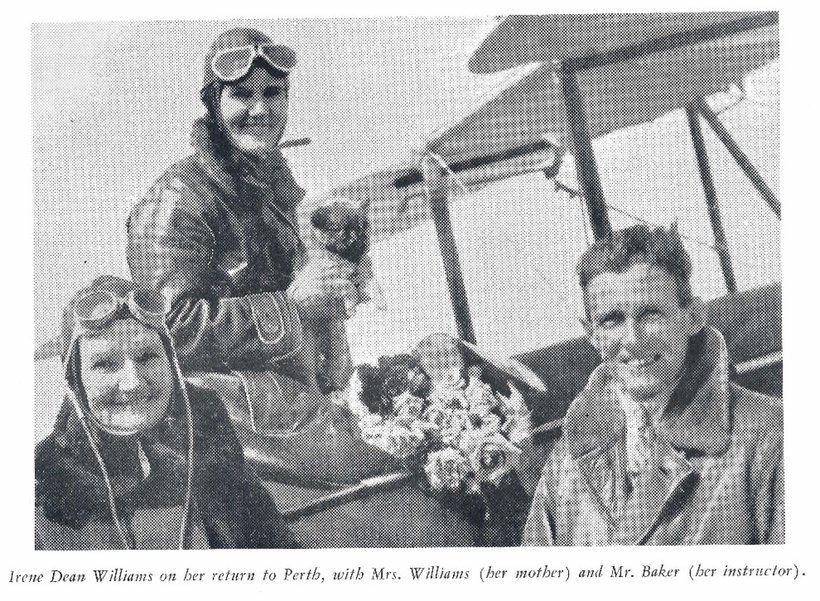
[[799, 189]]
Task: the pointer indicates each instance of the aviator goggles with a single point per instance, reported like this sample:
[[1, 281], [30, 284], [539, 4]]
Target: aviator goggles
[[232, 64], [98, 308]]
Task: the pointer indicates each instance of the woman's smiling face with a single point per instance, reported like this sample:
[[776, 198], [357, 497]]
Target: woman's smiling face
[[254, 112], [127, 377]]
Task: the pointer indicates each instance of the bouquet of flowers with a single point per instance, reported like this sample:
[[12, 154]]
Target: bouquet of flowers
[[429, 409]]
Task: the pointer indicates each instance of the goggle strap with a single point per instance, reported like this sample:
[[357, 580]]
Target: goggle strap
[[186, 510], [112, 505]]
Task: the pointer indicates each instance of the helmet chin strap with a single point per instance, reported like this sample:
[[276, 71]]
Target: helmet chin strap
[[189, 483], [125, 536]]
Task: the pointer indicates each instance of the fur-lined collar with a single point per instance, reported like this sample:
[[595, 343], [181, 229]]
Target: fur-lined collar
[[696, 418], [71, 488]]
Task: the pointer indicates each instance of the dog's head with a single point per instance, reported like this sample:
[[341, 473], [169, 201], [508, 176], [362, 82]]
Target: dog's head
[[343, 228]]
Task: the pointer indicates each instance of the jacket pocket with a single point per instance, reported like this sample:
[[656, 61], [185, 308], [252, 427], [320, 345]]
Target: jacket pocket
[[277, 324]]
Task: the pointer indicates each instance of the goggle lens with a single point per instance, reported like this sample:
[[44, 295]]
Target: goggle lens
[[279, 57], [95, 306], [234, 63], [149, 302], [98, 308]]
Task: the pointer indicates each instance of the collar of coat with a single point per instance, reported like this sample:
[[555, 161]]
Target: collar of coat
[[69, 482], [695, 419], [71, 488]]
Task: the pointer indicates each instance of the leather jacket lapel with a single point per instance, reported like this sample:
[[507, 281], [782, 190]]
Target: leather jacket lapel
[[695, 420], [697, 416], [666, 485]]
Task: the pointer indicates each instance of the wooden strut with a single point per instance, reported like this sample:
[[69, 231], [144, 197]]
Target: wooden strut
[[585, 164], [584, 156], [739, 156], [710, 192], [452, 266]]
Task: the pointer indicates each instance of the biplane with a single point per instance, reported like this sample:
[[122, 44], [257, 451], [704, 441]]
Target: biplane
[[577, 78], [574, 78]]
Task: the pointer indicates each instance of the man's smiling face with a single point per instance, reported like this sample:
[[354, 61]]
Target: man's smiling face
[[636, 321]]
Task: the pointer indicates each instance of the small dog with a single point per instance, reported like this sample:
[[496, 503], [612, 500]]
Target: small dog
[[340, 227]]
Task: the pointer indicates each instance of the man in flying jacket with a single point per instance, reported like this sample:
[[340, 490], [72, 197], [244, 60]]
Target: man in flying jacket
[[660, 447]]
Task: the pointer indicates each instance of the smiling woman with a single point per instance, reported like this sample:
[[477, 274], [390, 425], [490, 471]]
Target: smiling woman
[[254, 111], [217, 235], [127, 377], [138, 458]]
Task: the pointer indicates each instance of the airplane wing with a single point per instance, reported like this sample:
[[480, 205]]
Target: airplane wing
[[520, 39], [396, 195], [622, 95], [522, 127]]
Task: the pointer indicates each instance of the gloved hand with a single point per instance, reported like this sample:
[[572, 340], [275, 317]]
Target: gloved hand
[[323, 286]]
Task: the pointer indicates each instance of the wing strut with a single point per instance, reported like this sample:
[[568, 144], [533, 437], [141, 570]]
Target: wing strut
[[711, 197], [440, 211], [585, 164], [739, 156], [579, 128]]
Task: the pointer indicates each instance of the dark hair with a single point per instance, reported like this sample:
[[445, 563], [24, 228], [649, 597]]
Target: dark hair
[[216, 137], [638, 244]]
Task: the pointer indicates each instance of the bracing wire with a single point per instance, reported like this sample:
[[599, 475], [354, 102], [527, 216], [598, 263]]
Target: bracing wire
[[573, 193], [584, 216]]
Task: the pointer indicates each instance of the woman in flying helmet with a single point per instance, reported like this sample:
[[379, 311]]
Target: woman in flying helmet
[[138, 459], [217, 235]]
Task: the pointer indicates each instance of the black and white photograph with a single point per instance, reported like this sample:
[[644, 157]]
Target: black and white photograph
[[431, 300], [403, 282]]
